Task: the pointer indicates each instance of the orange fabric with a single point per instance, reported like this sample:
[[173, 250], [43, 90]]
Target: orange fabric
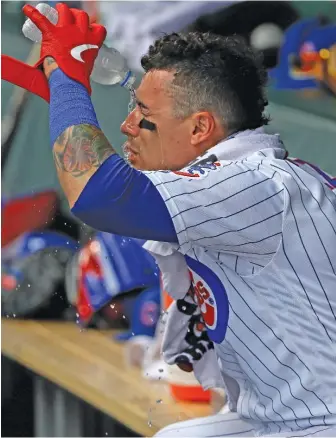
[[167, 300], [190, 393]]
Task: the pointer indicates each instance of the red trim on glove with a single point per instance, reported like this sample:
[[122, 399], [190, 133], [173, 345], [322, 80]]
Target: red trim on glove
[[25, 76]]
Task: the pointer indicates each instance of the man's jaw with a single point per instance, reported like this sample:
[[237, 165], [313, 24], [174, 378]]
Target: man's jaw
[[129, 151]]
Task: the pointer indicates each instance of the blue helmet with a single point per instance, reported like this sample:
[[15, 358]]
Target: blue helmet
[[300, 54], [112, 266]]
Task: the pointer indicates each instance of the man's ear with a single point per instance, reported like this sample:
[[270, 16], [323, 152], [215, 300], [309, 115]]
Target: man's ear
[[203, 125]]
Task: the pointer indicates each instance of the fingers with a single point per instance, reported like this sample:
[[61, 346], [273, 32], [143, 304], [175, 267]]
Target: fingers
[[82, 19], [64, 15], [37, 18], [100, 32]]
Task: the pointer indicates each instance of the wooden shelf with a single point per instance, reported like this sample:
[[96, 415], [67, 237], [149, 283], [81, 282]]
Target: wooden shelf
[[91, 365]]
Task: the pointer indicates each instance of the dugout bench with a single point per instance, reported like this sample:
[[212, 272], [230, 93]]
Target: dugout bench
[[76, 372]]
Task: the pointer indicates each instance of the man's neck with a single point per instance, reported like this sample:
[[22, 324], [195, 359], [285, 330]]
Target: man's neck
[[242, 144]]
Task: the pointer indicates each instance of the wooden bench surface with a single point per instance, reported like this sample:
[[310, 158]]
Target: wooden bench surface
[[90, 365]]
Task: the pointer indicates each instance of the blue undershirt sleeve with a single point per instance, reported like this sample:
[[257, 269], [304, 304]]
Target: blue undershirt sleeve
[[121, 200]]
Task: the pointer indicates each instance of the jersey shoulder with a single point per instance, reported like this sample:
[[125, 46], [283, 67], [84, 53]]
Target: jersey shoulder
[[201, 168], [209, 171]]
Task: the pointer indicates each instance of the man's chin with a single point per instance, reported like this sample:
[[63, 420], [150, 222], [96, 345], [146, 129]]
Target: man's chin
[[136, 161], [133, 160], [138, 164]]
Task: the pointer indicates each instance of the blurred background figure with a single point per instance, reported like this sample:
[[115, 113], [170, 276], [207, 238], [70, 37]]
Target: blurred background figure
[[133, 26], [307, 57]]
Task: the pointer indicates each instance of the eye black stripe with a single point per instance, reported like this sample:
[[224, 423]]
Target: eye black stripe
[[145, 124]]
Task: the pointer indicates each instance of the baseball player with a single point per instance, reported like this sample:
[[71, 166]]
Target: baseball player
[[256, 230]]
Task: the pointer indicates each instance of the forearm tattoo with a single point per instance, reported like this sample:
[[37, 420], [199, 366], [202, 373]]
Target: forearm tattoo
[[50, 61], [80, 149]]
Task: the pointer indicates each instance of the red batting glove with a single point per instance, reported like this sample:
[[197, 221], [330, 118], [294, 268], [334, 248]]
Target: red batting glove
[[73, 43]]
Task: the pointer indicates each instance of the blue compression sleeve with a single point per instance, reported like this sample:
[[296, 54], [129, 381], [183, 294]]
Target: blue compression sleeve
[[70, 105], [121, 200]]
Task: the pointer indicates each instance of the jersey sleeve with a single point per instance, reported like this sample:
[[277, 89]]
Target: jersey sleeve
[[121, 200], [230, 206]]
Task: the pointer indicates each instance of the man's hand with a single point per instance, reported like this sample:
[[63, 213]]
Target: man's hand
[[49, 65], [73, 43]]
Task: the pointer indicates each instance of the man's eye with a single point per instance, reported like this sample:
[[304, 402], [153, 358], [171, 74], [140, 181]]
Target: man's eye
[[143, 110]]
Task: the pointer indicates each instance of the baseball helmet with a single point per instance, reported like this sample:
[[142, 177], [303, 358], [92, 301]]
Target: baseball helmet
[[33, 269], [113, 278]]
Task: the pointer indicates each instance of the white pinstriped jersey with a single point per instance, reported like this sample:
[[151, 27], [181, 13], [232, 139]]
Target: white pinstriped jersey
[[259, 235]]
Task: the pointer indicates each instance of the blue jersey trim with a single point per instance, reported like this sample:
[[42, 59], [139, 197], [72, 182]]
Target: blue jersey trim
[[121, 200]]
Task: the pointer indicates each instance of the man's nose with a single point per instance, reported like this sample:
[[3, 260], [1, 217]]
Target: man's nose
[[130, 126]]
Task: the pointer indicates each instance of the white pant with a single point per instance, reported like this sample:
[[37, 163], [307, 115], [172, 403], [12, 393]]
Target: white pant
[[229, 424]]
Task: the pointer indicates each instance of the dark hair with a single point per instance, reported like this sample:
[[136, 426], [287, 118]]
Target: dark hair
[[213, 73]]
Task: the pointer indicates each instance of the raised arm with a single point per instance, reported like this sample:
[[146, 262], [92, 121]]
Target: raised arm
[[102, 189], [78, 150]]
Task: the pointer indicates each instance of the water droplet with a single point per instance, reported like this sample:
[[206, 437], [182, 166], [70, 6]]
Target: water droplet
[[149, 423], [160, 370], [159, 401], [131, 104]]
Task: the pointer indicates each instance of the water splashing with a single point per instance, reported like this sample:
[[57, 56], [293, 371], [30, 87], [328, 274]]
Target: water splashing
[[130, 108], [149, 422], [131, 104]]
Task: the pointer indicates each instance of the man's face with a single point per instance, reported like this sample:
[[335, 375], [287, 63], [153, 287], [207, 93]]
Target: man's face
[[167, 142]]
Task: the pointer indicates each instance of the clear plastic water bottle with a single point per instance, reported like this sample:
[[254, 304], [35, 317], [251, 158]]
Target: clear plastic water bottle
[[110, 66], [31, 31]]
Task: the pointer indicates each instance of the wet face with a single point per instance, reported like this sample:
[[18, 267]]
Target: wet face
[[156, 138]]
